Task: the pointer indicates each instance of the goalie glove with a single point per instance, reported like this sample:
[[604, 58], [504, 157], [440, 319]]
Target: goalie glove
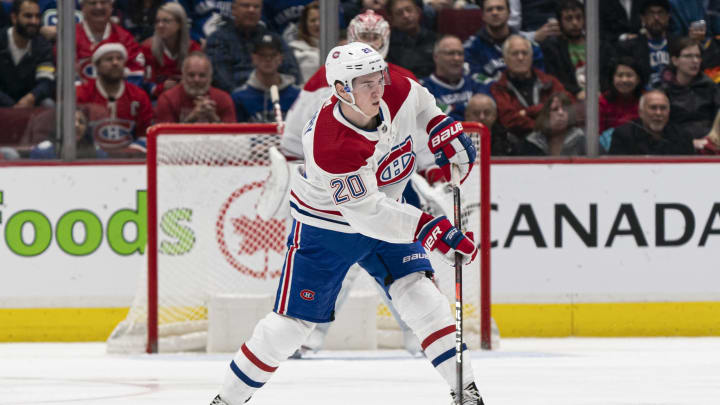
[[450, 145], [439, 234]]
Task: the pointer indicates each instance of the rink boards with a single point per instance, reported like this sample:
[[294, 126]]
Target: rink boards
[[589, 249]]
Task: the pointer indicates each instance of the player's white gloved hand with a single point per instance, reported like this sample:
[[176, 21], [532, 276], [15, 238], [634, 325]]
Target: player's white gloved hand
[[439, 234], [450, 145]]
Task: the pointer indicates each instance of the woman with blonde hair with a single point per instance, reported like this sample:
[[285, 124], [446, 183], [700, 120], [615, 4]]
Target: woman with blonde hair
[[166, 50], [305, 47]]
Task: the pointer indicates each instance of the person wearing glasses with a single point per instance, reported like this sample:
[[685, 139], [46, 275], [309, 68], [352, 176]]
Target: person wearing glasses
[[694, 97]]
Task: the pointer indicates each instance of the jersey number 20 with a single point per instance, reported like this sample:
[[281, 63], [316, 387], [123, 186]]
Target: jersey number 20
[[346, 188]]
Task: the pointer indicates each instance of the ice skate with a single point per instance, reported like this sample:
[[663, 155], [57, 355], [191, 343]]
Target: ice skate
[[471, 396], [219, 401]]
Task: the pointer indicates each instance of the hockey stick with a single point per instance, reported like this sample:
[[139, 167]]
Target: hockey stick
[[275, 98], [457, 210]]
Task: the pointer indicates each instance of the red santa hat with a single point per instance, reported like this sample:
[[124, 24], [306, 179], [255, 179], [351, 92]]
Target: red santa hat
[[107, 48]]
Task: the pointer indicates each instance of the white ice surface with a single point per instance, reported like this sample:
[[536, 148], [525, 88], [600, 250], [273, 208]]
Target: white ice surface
[[575, 371]]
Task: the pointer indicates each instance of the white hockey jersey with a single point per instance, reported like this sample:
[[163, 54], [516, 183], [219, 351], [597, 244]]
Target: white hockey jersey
[[352, 180]]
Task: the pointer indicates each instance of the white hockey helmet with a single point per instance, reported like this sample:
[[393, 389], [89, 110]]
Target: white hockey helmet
[[369, 22], [346, 62]]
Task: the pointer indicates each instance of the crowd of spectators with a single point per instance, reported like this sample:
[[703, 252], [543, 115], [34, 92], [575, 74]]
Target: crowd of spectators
[[522, 73]]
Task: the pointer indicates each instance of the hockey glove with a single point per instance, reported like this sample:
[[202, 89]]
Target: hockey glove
[[439, 234], [450, 145]]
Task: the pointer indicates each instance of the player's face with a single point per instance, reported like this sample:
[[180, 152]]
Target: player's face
[[196, 76], [97, 11], [111, 67], [449, 59], [368, 90], [166, 25], [371, 38], [27, 20]]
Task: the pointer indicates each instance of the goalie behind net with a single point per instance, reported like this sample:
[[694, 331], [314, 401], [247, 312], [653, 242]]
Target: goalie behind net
[[210, 240]]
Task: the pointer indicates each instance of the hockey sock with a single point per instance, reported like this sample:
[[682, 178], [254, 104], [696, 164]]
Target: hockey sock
[[274, 339], [423, 307]]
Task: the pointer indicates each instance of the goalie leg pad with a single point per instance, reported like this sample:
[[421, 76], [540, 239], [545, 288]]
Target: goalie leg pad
[[274, 339], [426, 310]]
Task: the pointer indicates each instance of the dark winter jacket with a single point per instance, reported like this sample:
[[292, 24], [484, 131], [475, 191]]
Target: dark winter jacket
[[614, 20], [35, 73], [633, 139], [484, 55], [229, 51], [693, 107], [413, 53], [510, 103]]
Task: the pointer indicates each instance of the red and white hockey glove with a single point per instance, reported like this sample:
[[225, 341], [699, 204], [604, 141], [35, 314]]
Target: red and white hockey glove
[[450, 145], [439, 234]]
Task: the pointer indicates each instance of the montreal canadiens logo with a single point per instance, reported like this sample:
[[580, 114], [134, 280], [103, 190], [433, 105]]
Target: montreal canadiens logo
[[250, 245], [336, 54], [398, 164], [307, 295], [112, 133]]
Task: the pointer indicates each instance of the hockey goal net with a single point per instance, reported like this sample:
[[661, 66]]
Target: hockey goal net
[[205, 239]]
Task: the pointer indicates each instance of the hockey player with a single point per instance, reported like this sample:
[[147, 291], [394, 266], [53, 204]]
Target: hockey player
[[347, 194], [372, 29]]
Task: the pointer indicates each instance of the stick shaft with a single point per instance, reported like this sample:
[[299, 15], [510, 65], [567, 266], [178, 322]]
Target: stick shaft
[[457, 210]]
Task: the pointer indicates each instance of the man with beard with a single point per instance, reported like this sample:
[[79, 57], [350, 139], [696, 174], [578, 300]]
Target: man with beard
[[27, 70], [565, 54], [195, 100], [483, 51], [119, 112], [95, 30], [651, 47]]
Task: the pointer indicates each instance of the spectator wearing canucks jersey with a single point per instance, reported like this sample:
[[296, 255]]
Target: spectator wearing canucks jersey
[[118, 111], [229, 48], [522, 90], [27, 71], [194, 100], [452, 89], [411, 44], [252, 100], [96, 30], [652, 47], [483, 51]]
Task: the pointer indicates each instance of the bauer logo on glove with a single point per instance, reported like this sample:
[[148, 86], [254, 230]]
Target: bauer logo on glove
[[450, 145]]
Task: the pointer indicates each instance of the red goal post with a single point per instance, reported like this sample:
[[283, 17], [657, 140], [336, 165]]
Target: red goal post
[[186, 164]]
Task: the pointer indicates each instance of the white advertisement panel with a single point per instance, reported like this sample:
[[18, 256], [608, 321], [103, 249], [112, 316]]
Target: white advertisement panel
[[564, 233], [605, 233]]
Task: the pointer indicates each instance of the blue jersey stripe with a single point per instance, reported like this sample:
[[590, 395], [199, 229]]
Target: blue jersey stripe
[[247, 380], [295, 207]]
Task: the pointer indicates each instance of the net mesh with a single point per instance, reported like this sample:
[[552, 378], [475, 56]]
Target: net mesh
[[210, 241]]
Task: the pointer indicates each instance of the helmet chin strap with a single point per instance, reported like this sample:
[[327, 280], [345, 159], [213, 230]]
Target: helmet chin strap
[[352, 104]]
